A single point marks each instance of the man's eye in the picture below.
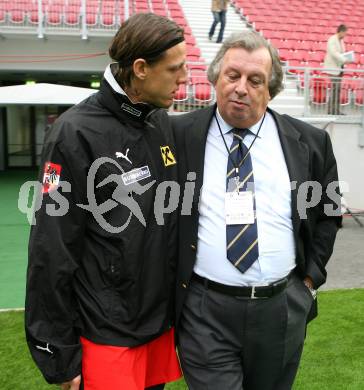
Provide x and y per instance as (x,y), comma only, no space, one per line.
(256,81)
(233,76)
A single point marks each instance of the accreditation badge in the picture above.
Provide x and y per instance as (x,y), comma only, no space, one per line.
(239,208)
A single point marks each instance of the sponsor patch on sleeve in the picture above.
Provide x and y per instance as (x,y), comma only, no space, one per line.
(167,156)
(51,177)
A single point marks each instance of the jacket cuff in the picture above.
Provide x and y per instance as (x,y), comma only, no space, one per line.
(315,273)
(60,363)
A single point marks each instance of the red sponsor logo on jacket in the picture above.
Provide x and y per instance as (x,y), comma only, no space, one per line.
(51,176)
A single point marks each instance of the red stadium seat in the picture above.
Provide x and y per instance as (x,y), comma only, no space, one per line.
(17,16)
(174,7)
(181,95)
(199,66)
(319,90)
(54,18)
(202,92)
(72,9)
(33,17)
(142,8)
(344,94)
(92,9)
(180,21)
(319,46)
(198,76)
(317,56)
(176,14)
(92,3)
(190,40)
(313,64)
(269,34)
(295,64)
(304,45)
(60,3)
(55,8)
(194,51)
(107,19)
(359,97)
(161,12)
(297,55)
(283,54)
(72,18)
(91,19)
(158,6)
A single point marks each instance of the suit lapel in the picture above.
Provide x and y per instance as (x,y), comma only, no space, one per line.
(195,144)
(297,159)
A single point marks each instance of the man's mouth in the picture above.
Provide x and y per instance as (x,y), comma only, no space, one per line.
(240,103)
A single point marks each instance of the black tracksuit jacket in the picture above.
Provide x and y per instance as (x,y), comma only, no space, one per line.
(113,288)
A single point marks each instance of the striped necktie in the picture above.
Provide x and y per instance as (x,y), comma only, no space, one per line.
(241,240)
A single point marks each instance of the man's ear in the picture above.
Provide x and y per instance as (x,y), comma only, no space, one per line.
(140,68)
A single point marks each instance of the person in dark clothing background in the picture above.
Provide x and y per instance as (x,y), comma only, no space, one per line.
(218,9)
(100,280)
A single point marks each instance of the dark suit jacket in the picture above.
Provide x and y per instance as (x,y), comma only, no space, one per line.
(309,156)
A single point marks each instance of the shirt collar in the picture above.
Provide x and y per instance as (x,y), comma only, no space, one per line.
(225,127)
(255,128)
(109,77)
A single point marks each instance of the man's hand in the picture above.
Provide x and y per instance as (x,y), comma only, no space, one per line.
(74,384)
(308,282)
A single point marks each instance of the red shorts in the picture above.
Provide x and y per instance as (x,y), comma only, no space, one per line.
(123,368)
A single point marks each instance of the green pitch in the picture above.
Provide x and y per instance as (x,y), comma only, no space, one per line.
(333,357)
(14,232)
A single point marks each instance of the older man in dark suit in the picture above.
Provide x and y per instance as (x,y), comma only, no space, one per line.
(263,221)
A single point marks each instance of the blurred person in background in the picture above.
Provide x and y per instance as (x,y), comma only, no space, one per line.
(218,8)
(335,59)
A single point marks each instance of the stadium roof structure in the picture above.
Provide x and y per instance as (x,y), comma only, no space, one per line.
(43,94)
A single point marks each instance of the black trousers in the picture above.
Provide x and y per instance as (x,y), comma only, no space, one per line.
(335,92)
(236,343)
(219,17)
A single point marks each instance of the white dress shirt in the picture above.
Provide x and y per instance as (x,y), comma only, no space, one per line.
(273,208)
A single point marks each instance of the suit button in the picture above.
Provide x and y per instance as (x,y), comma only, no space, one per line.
(184,285)
(193,247)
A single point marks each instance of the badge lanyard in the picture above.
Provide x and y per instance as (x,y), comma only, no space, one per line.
(238,165)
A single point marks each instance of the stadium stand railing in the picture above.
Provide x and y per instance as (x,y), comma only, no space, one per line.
(82,17)
(315,89)
(298,29)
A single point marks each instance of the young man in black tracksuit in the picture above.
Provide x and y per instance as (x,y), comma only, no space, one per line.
(101,267)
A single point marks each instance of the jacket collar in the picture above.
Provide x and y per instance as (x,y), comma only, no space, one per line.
(114,98)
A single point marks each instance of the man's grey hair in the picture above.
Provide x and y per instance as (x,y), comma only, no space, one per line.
(249,41)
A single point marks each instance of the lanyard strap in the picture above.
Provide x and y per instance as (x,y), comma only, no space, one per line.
(237,166)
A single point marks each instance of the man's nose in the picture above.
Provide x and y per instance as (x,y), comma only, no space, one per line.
(241,86)
(182,79)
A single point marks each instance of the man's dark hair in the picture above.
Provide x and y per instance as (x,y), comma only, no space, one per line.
(144,35)
(342,28)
